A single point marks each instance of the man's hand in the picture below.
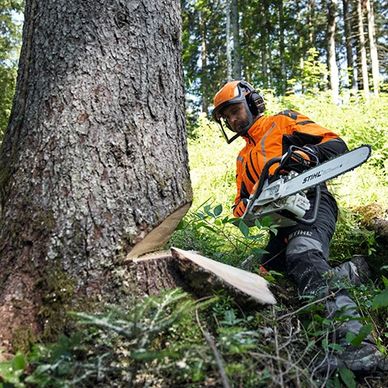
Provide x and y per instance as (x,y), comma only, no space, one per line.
(298,160)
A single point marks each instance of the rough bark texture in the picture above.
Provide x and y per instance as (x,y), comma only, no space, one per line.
(95,154)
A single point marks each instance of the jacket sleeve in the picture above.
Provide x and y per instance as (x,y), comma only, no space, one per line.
(329,149)
(306,133)
(242,195)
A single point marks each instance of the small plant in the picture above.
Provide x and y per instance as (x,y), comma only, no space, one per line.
(351,237)
(221,236)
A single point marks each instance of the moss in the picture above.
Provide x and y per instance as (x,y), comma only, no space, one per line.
(23,338)
(58,290)
(5,175)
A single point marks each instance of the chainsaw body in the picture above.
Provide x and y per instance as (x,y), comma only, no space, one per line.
(282,196)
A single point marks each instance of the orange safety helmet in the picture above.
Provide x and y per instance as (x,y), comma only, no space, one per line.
(235,92)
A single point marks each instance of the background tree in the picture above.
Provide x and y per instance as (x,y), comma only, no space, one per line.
(349,42)
(331,52)
(94,158)
(362,48)
(10,35)
(372,46)
(276,39)
(235,24)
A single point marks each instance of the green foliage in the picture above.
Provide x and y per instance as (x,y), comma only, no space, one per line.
(173,340)
(219,236)
(348,377)
(10,41)
(381,299)
(311,78)
(11,371)
(169,340)
(351,237)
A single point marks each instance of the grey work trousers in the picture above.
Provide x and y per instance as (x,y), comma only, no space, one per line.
(302,252)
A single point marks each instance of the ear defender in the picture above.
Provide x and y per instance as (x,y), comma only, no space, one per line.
(255,103)
(254,100)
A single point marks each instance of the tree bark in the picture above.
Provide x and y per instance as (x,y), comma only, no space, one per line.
(333,68)
(95,154)
(373,46)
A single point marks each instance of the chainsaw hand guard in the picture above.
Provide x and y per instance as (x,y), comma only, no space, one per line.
(298,159)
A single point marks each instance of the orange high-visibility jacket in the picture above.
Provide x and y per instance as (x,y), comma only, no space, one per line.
(270,137)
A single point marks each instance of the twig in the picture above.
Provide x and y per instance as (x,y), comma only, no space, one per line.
(331,295)
(328,371)
(366,382)
(217,355)
(267,357)
(275,332)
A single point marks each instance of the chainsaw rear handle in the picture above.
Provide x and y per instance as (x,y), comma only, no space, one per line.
(317,202)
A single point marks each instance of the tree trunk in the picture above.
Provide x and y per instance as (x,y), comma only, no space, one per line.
(229,65)
(352,81)
(202,26)
(236,40)
(94,157)
(333,68)
(283,70)
(364,66)
(311,20)
(373,47)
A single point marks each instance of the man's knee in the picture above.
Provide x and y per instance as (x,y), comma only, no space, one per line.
(306,263)
(303,243)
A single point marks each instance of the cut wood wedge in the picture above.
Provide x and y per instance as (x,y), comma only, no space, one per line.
(202,272)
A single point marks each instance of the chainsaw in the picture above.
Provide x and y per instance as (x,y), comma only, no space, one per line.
(282,195)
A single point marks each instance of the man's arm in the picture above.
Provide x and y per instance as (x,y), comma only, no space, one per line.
(306,133)
(328,149)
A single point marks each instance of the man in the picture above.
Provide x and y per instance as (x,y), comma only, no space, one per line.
(301,251)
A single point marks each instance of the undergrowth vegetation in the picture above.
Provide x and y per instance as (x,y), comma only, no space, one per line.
(173,340)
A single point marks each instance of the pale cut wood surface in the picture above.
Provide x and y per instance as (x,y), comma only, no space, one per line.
(248,283)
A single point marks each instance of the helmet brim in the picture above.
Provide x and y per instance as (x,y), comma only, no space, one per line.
(217,111)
